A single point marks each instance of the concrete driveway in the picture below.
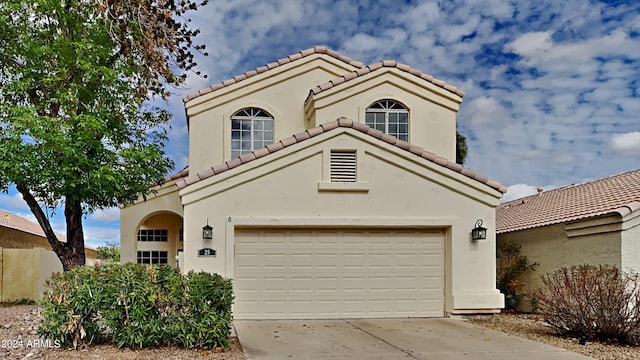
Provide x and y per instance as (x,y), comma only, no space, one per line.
(386,339)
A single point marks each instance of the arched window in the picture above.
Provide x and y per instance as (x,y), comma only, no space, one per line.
(390,117)
(251,129)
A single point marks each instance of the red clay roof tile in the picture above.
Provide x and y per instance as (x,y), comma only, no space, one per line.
(247,157)
(261,152)
(315,131)
(220,168)
(275,146)
(614,194)
(234,163)
(301,136)
(344,122)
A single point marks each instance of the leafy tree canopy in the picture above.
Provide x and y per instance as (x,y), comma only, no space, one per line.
(76,130)
(461,148)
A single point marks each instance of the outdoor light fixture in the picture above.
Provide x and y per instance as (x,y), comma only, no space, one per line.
(207,231)
(479,232)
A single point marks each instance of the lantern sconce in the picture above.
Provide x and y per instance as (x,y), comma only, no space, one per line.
(207,231)
(478,232)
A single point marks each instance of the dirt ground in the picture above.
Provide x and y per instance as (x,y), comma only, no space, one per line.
(18,340)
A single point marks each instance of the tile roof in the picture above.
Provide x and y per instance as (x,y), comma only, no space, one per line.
(615,194)
(326,127)
(379,65)
(16,222)
(280,62)
(179,175)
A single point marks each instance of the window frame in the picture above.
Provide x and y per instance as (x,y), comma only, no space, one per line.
(153,235)
(257,130)
(154,257)
(388,108)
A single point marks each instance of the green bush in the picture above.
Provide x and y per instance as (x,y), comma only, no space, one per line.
(592,303)
(137,306)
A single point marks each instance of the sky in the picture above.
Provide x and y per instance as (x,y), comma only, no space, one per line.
(552,87)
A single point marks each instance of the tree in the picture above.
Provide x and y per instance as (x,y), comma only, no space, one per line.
(109,252)
(76,129)
(461,148)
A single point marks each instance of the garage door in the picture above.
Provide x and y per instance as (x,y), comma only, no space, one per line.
(320,273)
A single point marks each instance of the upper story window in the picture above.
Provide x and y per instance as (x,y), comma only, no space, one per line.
(390,117)
(251,129)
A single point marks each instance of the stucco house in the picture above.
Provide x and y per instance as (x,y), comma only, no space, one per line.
(362,212)
(597,222)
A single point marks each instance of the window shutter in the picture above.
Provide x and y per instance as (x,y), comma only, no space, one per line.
(343,166)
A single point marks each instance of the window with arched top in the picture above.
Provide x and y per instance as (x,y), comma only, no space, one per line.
(251,129)
(390,117)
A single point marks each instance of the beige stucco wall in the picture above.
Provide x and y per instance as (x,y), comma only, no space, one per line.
(631,242)
(163,206)
(552,249)
(432,110)
(24,272)
(280,91)
(396,188)
(16,239)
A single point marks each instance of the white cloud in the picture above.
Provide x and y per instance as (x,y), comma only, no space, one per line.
(518,191)
(99,236)
(531,44)
(626,144)
(106,215)
(13,201)
(487,111)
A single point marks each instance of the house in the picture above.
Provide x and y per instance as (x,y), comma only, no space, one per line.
(360,213)
(596,222)
(26,259)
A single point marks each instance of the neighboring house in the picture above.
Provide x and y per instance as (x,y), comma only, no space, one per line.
(17,232)
(597,222)
(26,259)
(355,217)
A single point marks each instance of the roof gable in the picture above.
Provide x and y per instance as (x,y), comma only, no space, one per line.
(327,127)
(617,194)
(367,70)
(297,56)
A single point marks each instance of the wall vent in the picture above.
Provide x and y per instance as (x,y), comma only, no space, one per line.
(343,166)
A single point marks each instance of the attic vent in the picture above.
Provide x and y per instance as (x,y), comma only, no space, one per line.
(343,166)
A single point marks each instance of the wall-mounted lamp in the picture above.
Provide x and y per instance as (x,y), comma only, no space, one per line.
(479,232)
(207,231)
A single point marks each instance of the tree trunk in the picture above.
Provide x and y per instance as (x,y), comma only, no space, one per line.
(75,236)
(71,253)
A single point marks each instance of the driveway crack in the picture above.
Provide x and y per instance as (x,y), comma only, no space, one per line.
(409,353)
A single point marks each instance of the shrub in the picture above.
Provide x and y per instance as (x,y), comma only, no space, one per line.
(512,265)
(592,303)
(137,306)
(109,252)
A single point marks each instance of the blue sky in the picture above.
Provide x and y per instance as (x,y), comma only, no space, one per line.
(552,87)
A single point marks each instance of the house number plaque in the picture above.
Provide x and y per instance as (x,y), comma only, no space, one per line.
(207,252)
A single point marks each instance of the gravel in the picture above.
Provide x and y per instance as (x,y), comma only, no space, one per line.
(534,328)
(18,340)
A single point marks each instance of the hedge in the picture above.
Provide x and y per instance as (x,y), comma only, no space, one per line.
(137,306)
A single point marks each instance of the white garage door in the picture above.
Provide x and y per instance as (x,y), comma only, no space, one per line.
(331,273)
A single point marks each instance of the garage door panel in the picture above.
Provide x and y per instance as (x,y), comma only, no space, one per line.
(337,273)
